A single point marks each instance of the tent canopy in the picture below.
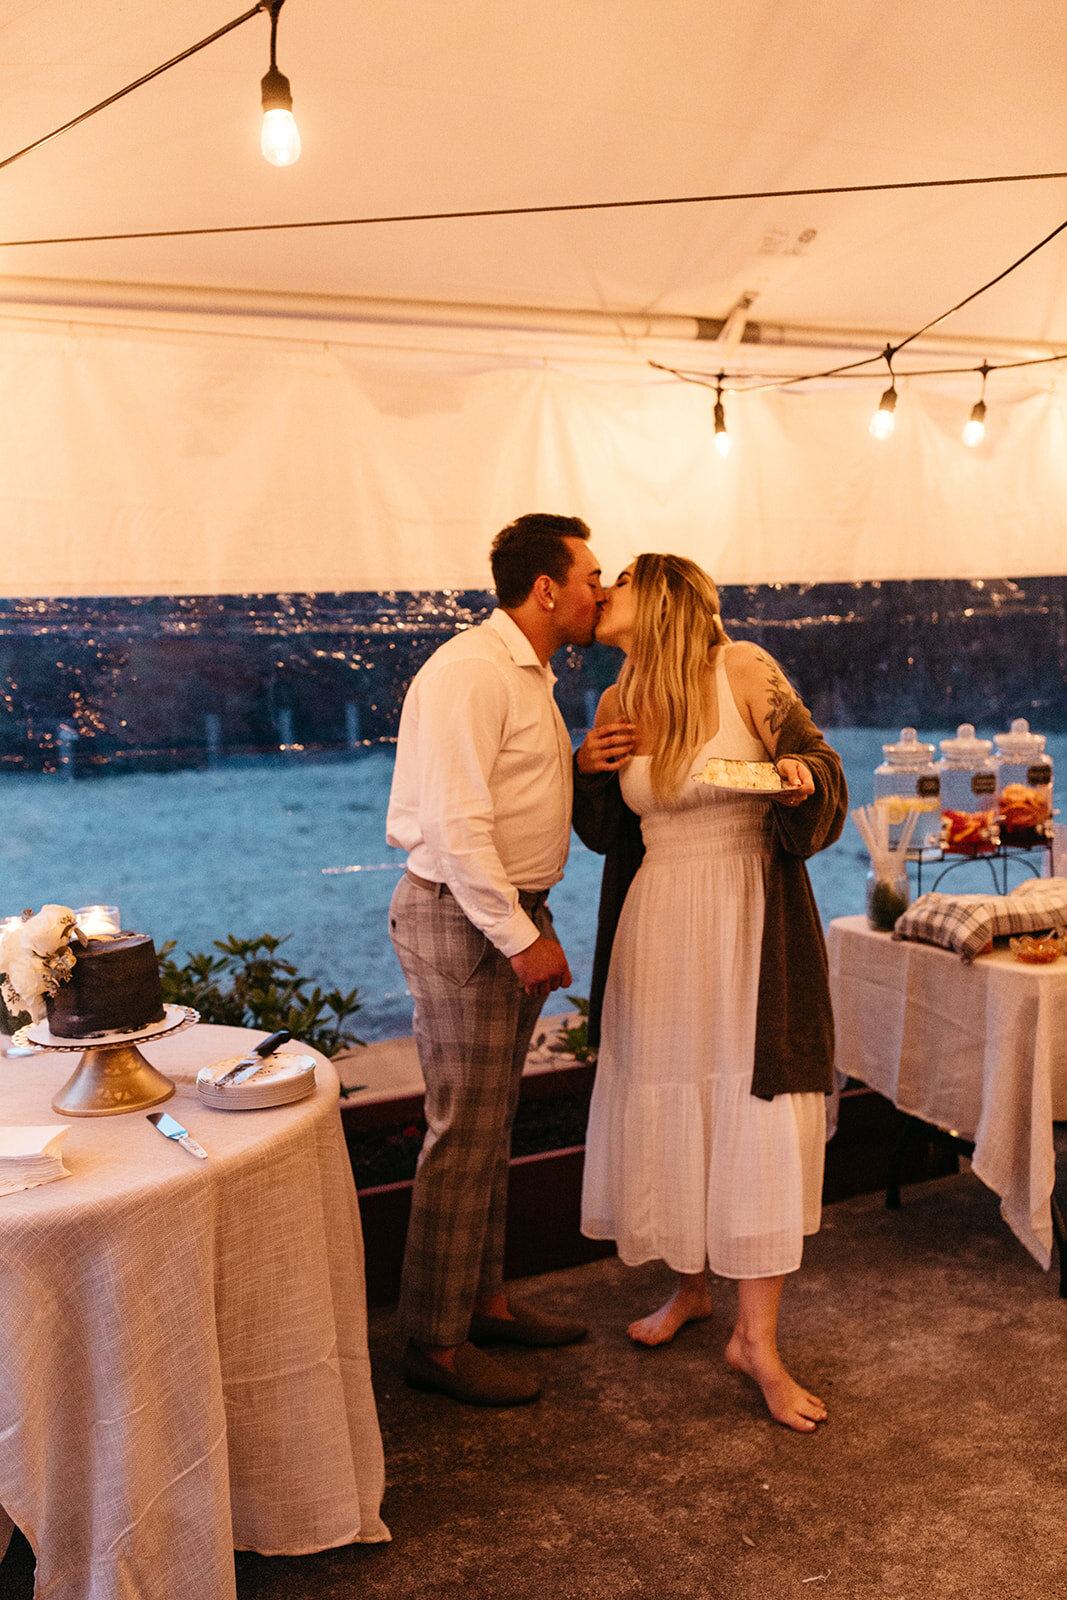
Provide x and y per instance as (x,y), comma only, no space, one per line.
(358,406)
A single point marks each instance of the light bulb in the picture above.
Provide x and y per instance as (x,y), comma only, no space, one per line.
(883,421)
(280,138)
(974,428)
(722,437)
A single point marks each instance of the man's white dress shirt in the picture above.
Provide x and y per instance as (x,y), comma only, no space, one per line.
(481,795)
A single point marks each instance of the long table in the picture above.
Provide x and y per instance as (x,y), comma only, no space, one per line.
(183,1353)
(978,1049)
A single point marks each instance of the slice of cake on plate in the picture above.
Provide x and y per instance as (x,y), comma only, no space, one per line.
(756,775)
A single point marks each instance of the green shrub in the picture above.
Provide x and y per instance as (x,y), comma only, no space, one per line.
(249,986)
(573,1039)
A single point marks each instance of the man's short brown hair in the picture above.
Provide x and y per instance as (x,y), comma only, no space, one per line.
(529,547)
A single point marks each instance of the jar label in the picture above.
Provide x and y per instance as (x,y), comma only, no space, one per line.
(984,783)
(1037,775)
(929,785)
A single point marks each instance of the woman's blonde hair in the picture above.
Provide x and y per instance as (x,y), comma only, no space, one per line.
(666,683)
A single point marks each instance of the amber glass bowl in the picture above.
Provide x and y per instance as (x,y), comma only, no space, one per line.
(1038,948)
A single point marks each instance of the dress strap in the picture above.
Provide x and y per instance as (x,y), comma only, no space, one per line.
(733,736)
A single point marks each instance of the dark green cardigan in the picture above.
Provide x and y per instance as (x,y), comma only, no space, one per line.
(794,1023)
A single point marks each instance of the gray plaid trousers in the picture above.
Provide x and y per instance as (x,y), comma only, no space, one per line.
(472,1026)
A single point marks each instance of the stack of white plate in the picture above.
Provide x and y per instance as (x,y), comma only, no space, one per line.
(281,1080)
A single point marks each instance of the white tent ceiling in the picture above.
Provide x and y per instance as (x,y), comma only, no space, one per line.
(441,105)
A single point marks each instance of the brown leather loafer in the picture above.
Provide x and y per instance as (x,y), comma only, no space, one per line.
(526,1325)
(478,1379)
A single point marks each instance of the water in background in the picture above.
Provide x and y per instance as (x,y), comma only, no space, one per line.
(298,847)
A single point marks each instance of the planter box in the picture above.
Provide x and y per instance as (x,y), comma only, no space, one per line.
(545,1189)
(544,1195)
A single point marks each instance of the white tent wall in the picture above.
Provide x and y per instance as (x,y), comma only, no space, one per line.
(142,461)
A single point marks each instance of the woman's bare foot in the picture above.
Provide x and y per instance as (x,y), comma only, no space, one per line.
(690,1302)
(786,1401)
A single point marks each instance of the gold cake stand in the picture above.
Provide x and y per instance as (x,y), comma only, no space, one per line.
(112,1075)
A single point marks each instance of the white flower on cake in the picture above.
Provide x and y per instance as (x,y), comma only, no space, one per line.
(35,958)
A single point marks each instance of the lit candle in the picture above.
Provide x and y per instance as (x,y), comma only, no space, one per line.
(96,920)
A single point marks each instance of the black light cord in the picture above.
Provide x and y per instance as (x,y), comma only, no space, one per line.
(275,6)
(891,350)
(998,279)
(785,379)
(184,55)
(559,209)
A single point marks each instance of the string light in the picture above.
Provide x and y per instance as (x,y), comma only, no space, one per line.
(280,138)
(884,419)
(102,105)
(722,436)
(974,427)
(883,422)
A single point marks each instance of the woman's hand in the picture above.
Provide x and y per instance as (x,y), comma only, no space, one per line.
(607,748)
(798,777)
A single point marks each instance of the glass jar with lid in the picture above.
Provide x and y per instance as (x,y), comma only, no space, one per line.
(1024,787)
(968,794)
(908,779)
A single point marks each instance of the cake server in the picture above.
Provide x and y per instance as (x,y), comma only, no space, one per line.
(172,1129)
(250,1064)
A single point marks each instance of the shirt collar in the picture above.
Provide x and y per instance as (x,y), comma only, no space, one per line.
(518,646)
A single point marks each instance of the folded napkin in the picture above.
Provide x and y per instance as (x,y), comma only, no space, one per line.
(968,923)
(29,1156)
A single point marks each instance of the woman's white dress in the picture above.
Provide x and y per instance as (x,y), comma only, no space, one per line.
(683,1163)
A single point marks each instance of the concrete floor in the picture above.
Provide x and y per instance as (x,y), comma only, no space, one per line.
(937,1343)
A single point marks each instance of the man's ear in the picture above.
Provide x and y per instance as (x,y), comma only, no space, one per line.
(543,592)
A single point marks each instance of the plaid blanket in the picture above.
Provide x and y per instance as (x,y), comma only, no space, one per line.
(968,923)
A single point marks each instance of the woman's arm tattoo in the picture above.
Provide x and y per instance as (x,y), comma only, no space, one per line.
(779,695)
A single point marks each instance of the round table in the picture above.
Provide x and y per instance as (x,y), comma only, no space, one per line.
(183,1352)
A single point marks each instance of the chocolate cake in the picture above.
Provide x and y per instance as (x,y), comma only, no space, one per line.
(114,988)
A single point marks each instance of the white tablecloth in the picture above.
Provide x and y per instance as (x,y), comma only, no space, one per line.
(978,1049)
(183,1352)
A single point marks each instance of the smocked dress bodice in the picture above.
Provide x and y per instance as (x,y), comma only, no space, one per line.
(699,817)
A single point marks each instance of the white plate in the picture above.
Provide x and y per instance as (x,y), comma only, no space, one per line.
(40,1034)
(733,788)
(237,1100)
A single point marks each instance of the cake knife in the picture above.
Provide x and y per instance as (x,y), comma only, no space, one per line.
(250,1064)
(171,1129)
